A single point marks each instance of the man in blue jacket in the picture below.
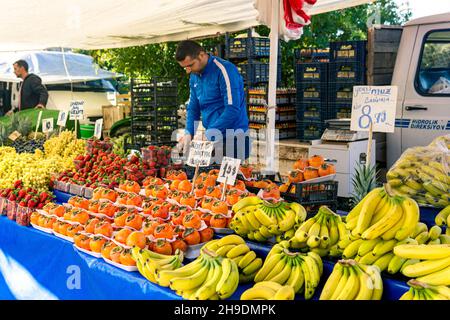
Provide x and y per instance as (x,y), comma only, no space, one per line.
(217,97)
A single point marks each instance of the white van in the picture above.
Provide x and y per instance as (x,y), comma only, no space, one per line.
(422,74)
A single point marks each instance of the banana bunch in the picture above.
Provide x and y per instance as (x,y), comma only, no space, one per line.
(209,277)
(259,220)
(443,217)
(423,175)
(149,263)
(423,291)
(235,248)
(269,290)
(434,235)
(431,262)
(351,280)
(320,233)
(300,271)
(383,215)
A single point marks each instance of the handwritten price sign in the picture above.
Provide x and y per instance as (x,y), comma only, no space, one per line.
(374,105)
(229,170)
(200,153)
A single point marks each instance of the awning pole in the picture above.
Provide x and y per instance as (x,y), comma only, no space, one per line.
(272,90)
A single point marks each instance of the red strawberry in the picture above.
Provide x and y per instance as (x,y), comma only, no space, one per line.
(17,184)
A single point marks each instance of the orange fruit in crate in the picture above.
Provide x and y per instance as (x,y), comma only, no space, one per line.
(213,192)
(246,170)
(160,211)
(295,176)
(134,200)
(316,161)
(126,259)
(201,178)
(107,208)
(239,185)
(106,249)
(219,207)
(114,254)
(164,230)
(162,246)
(97,243)
(49,206)
(122,235)
(180,245)
(177,217)
(72,201)
(326,169)
(105,228)
(310,173)
(123,185)
(301,164)
(160,192)
(134,221)
(200,190)
(138,239)
(191,236)
(192,220)
(206,235)
(68,215)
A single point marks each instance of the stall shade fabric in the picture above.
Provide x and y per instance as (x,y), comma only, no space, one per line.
(87,24)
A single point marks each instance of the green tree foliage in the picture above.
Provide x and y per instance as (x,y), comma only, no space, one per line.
(158,59)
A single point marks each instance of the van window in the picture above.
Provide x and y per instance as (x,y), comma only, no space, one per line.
(433,76)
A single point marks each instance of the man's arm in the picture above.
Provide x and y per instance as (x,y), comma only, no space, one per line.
(231,93)
(38,88)
(193,111)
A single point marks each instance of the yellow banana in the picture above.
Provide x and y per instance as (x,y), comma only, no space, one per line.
(412,212)
(345,272)
(247,259)
(264,218)
(408,262)
(438,278)
(384,261)
(375,275)
(275,286)
(263,293)
(288,221)
(445,239)
(250,215)
(309,289)
(334,231)
(384,247)
(422,237)
(351,288)
(408,295)
(269,264)
(443,216)
(284,274)
(208,289)
(223,251)
(265,232)
(423,252)
(238,250)
(296,279)
(368,258)
(435,232)
(352,249)
(395,264)
(365,216)
(367,246)
(332,282)
(366,285)
(285,293)
(229,281)
(245,202)
(388,221)
(192,281)
(420,227)
(252,267)
(390,234)
(426,267)
(230,239)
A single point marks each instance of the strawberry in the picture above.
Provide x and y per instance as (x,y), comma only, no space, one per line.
(17,184)
(22,193)
(40,205)
(22,204)
(43,196)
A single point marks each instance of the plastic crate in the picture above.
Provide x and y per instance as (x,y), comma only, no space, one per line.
(312,111)
(340,110)
(347,71)
(23,215)
(3,206)
(310,130)
(312,55)
(348,51)
(316,193)
(312,92)
(312,72)
(246,48)
(256,72)
(11,210)
(341,92)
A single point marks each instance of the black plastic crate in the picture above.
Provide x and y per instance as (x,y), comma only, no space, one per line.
(312,55)
(190,171)
(312,193)
(257,72)
(312,111)
(312,92)
(348,51)
(312,72)
(347,71)
(340,110)
(310,130)
(250,47)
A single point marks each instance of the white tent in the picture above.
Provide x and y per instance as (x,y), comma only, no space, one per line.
(54,67)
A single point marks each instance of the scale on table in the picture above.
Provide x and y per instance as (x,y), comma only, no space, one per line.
(339,130)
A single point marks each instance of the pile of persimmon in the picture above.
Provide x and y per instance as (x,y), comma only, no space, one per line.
(104,193)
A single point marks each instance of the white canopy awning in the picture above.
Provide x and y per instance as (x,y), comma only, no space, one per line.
(95,24)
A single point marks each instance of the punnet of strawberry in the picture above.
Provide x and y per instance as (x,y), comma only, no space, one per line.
(26,196)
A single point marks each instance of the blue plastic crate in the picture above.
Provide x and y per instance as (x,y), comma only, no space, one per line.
(257,72)
(310,130)
(341,92)
(347,71)
(312,72)
(246,48)
(312,111)
(340,110)
(312,92)
(348,51)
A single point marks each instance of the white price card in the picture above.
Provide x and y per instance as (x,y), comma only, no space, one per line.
(229,170)
(98,128)
(376,105)
(200,153)
(47,125)
(76,110)
(62,118)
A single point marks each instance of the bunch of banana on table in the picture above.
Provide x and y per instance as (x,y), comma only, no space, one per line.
(299,270)
(209,277)
(269,290)
(422,291)
(443,218)
(430,262)
(149,262)
(235,248)
(351,280)
(320,233)
(260,220)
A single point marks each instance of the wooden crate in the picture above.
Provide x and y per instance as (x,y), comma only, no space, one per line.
(124,100)
(111,114)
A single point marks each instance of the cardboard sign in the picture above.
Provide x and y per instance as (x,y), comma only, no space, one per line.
(229,170)
(62,118)
(15,135)
(200,153)
(376,105)
(76,110)
(98,128)
(47,125)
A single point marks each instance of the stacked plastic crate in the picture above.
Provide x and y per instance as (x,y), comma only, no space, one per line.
(153,111)
(347,68)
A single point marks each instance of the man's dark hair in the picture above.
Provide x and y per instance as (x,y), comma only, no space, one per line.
(22,63)
(188,48)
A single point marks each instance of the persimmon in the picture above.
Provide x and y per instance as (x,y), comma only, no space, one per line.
(134,221)
(133,186)
(120,217)
(181,175)
(122,235)
(316,161)
(177,218)
(149,227)
(218,221)
(58,210)
(210,181)
(48,222)
(56,226)
(239,185)
(176,195)
(178,230)
(105,228)
(284,187)
(180,245)
(63,228)
(106,249)
(188,200)
(295,176)
(109,195)
(107,209)
(73,229)
(97,243)
(207,203)
(160,192)
(174,185)
(160,211)
(213,192)
(84,242)
(174,208)
(122,198)
(201,178)
(200,190)
(76,239)
(246,170)
(152,181)
(149,190)
(93,206)
(191,236)
(162,246)
(232,197)
(134,200)
(326,169)
(68,215)
(272,191)
(82,204)
(262,184)
(219,207)
(34,218)
(114,254)
(72,201)
(214,172)
(206,235)
(197,212)
(91,224)
(192,221)
(310,173)
(123,185)
(97,193)
(138,239)
(49,206)
(126,259)
(301,164)
(206,217)
(80,216)
(164,230)
(185,186)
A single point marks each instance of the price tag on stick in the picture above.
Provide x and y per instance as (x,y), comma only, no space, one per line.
(76,110)
(62,119)
(47,125)
(229,170)
(98,128)
(37,124)
(200,153)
